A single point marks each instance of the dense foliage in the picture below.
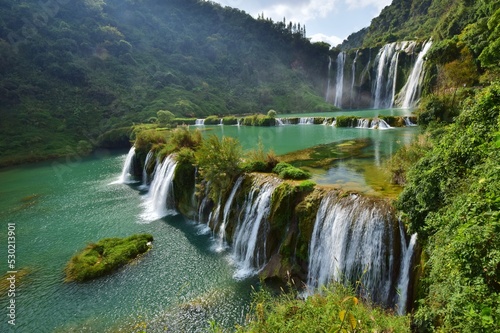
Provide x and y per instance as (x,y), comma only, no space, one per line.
(420,19)
(335,310)
(71,71)
(105,256)
(452,199)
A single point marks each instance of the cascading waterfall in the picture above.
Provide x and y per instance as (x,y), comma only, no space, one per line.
(408,122)
(382,59)
(328,83)
(128,168)
(221,234)
(160,199)
(249,245)
(411,90)
(378,123)
(306,121)
(407,252)
(199,122)
(353,74)
(339,87)
(353,240)
(279,122)
(144,185)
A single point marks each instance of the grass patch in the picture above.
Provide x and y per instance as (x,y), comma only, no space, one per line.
(106,256)
(336,309)
(288,171)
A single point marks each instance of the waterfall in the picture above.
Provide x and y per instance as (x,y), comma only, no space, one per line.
(411,90)
(306,121)
(128,168)
(408,122)
(249,244)
(328,84)
(279,122)
(404,275)
(353,240)
(385,53)
(339,87)
(378,123)
(144,185)
(160,199)
(363,123)
(221,234)
(199,122)
(353,69)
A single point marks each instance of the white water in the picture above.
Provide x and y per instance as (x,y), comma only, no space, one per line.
(408,122)
(144,185)
(339,87)
(328,84)
(249,252)
(128,168)
(160,198)
(199,122)
(411,91)
(352,241)
(376,123)
(279,122)
(306,121)
(353,74)
(404,275)
(221,234)
(385,53)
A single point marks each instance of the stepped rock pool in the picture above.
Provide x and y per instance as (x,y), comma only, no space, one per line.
(182,284)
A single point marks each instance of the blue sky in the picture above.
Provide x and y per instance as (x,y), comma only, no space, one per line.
(326,20)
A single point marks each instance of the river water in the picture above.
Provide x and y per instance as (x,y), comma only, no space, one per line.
(58,207)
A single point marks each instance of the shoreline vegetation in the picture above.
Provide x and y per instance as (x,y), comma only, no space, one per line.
(106,256)
(118,138)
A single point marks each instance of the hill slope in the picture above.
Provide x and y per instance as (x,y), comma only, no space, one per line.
(71,71)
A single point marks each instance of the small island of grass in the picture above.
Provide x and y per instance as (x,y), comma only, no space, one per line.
(106,256)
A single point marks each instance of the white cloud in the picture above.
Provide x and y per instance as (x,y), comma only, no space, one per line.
(378,4)
(332,40)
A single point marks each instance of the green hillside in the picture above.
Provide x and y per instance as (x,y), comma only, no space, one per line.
(71,71)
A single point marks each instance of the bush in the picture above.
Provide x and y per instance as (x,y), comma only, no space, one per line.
(346,121)
(212,120)
(288,171)
(106,256)
(336,309)
(231,120)
(306,186)
(219,163)
(294,173)
(165,117)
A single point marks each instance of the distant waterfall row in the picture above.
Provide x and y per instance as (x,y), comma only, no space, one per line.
(392,79)
(352,238)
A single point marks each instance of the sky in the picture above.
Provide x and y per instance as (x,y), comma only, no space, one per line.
(329,21)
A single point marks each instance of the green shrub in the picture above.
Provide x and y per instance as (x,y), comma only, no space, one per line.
(231,120)
(219,163)
(106,256)
(336,309)
(306,186)
(212,120)
(280,166)
(185,121)
(294,173)
(347,121)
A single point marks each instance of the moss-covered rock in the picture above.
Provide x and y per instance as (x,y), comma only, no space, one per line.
(184,183)
(106,256)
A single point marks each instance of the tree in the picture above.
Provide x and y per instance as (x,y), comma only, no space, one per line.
(165,117)
(271,114)
(219,163)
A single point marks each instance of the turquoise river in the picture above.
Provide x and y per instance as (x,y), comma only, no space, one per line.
(56,208)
